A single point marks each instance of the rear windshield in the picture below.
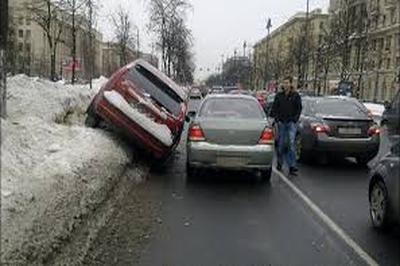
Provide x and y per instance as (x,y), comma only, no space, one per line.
(231,108)
(156,88)
(339,107)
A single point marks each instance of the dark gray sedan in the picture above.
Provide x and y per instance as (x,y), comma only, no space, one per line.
(338,126)
(384,189)
(230,132)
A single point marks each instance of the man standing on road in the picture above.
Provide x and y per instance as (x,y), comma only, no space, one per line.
(286,111)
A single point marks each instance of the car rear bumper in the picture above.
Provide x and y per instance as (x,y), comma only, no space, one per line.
(235,157)
(347,145)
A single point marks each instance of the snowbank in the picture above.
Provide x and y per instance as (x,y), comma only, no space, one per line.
(51,174)
(45,99)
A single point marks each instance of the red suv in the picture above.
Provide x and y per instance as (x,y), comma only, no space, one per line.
(145,104)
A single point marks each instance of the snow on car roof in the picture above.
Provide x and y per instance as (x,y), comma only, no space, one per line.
(178,89)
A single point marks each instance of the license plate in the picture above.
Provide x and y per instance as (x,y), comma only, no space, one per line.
(231,161)
(350,130)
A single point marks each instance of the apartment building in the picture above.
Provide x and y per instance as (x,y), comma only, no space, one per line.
(274,55)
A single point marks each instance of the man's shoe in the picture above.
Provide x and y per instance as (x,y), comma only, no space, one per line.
(293,171)
(279,167)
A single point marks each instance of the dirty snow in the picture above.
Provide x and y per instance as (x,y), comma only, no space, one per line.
(45,99)
(159,131)
(51,174)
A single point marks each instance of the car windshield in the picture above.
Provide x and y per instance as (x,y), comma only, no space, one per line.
(238,108)
(158,90)
(338,107)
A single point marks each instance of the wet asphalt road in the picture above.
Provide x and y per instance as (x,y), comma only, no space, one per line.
(231,219)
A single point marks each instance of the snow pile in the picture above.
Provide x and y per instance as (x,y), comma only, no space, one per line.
(45,99)
(159,131)
(52,174)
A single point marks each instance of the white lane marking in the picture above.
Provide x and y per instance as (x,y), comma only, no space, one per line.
(328,221)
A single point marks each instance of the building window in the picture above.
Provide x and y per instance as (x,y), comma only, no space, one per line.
(321,25)
(388,63)
(21,21)
(384,21)
(373,45)
(398,61)
(28,34)
(20,33)
(388,43)
(20,46)
(393,16)
(28,48)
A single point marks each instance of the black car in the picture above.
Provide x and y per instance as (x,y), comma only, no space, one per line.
(339,126)
(391,116)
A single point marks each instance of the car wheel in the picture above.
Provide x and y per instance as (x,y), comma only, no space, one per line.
(190,172)
(265,175)
(301,155)
(378,205)
(92,119)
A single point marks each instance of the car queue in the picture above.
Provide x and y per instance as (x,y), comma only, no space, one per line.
(230,129)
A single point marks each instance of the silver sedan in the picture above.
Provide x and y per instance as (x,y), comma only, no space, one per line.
(230,132)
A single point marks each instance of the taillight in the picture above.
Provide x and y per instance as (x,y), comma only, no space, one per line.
(267,137)
(196,133)
(374,130)
(320,128)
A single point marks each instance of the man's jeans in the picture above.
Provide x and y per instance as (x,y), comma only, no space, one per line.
(286,143)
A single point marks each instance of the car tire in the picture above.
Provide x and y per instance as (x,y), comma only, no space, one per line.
(265,175)
(190,172)
(301,154)
(92,119)
(379,205)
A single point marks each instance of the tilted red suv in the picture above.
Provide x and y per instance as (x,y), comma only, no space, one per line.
(145,103)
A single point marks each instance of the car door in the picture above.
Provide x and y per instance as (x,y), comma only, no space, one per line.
(393,178)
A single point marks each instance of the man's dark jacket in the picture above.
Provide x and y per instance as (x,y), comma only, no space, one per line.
(286,108)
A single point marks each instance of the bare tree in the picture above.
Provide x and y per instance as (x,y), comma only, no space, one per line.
(91,10)
(73,8)
(123,33)
(164,16)
(47,14)
(3,45)
(341,28)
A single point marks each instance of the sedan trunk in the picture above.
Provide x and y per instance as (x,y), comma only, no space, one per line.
(232,131)
(348,127)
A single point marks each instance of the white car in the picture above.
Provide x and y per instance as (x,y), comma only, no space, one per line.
(376,110)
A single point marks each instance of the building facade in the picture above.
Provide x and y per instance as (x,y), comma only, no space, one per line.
(287,50)
(368,54)
(383,72)
(30,51)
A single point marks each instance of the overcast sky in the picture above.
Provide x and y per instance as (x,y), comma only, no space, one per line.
(219,26)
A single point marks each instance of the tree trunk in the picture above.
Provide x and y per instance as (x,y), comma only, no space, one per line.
(3,83)
(53,63)
(73,43)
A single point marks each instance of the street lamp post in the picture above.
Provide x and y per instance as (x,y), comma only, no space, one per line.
(269,26)
(305,43)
